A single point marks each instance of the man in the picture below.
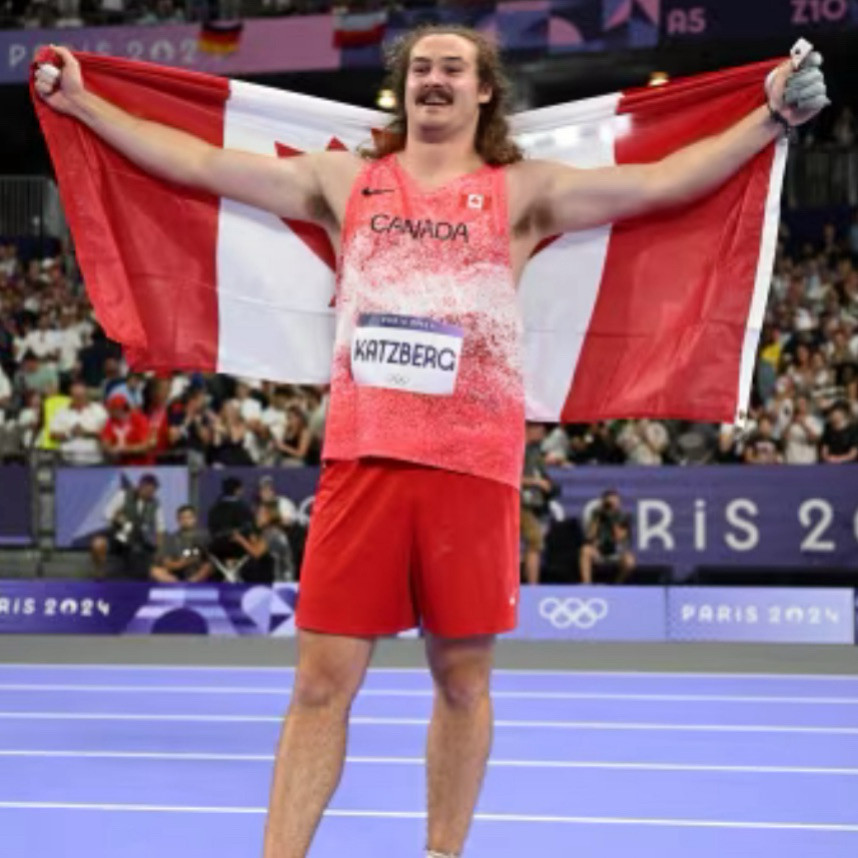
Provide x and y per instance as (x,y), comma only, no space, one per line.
(436,449)
(77,427)
(190,426)
(839,443)
(136,527)
(801,435)
(42,341)
(287,512)
(126,437)
(183,557)
(609,538)
(35,376)
(536,491)
(762,448)
(230,514)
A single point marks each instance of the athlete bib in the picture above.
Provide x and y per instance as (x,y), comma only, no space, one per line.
(406,353)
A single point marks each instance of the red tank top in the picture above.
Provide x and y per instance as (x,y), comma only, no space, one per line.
(427,361)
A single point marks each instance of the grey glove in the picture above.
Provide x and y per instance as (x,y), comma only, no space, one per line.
(805,88)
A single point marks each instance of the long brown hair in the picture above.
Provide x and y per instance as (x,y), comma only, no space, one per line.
(493,142)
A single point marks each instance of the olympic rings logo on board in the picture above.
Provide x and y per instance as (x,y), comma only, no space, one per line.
(582,613)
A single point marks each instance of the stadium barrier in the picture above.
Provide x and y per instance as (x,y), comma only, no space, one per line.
(597,613)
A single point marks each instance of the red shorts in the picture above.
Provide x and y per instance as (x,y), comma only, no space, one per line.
(393,545)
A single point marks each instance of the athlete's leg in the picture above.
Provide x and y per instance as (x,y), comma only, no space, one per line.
(313,741)
(460,735)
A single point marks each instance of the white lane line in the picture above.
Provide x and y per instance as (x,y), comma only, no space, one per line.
(419,815)
(428,692)
(814,677)
(176,756)
(422,722)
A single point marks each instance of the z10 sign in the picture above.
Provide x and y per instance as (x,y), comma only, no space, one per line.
(729,515)
(719,19)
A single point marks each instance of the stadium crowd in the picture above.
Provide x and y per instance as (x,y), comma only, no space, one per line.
(92,13)
(64,386)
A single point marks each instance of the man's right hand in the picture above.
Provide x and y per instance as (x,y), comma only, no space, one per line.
(60,93)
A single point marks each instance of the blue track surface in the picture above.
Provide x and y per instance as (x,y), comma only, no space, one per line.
(126,762)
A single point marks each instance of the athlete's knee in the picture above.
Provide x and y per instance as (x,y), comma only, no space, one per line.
(318,686)
(328,675)
(462,680)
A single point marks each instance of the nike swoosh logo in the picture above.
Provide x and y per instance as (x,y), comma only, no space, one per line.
(369,192)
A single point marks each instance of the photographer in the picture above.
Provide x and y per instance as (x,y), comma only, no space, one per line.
(609,535)
(184,556)
(136,528)
(536,491)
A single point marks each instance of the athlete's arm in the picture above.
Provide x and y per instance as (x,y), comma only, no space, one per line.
(571,199)
(288,187)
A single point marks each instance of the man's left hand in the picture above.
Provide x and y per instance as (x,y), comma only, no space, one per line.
(798,94)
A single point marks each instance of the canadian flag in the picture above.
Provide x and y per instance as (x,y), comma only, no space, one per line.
(658,316)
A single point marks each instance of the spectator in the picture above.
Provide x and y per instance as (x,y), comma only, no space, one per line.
(77,428)
(112,375)
(34,376)
(317,412)
(840,439)
(69,340)
(228,515)
(184,554)
(536,492)
(30,421)
(231,438)
(644,442)
(287,512)
(96,358)
(295,445)
(762,448)
(257,564)
(595,445)
(137,527)
(726,450)
(155,400)
(555,447)
(272,529)
(249,406)
(42,341)
(126,438)
(801,435)
(132,387)
(274,417)
(608,540)
(801,370)
(190,425)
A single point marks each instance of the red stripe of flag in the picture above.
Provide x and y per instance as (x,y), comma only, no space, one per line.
(125,221)
(667,272)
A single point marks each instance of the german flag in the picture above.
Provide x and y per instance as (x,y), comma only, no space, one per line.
(220,37)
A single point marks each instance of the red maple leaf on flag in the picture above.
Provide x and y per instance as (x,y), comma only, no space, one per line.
(315,237)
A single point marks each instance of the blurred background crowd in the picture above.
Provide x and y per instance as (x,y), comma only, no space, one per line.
(65,387)
(89,13)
